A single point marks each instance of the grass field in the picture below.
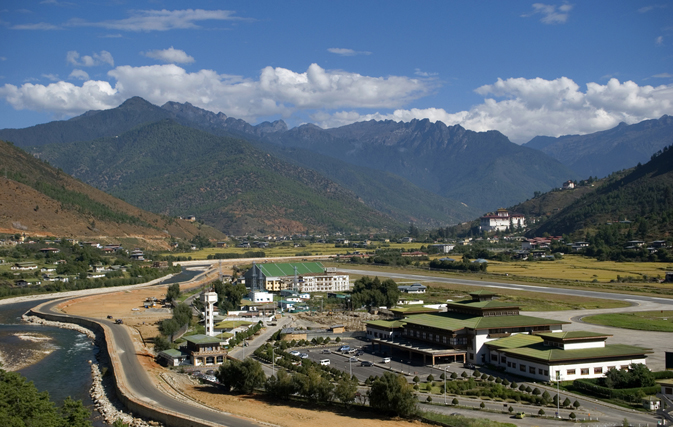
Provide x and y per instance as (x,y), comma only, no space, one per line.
(661,321)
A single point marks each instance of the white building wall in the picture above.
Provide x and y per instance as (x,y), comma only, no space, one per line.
(576,346)
(326,283)
(261,297)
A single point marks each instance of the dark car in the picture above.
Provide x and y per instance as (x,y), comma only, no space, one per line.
(468,366)
(366,363)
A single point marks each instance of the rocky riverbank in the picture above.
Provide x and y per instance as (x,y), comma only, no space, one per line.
(102,404)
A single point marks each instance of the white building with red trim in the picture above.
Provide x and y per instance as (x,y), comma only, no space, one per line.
(501,220)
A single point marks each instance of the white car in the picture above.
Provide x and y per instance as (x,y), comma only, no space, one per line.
(295,353)
(353,359)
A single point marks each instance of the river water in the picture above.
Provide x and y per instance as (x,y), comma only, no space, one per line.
(65,371)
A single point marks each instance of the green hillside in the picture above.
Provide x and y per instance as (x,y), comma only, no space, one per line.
(642,198)
(175,170)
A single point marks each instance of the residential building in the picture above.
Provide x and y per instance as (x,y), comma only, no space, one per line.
(568,185)
(204,350)
(501,220)
(23,266)
(416,288)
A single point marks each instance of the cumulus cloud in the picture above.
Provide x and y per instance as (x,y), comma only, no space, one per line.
(79,74)
(551,14)
(277,91)
(104,57)
(531,107)
(347,52)
(170,55)
(161,20)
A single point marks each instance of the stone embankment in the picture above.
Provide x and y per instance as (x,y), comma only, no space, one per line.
(108,411)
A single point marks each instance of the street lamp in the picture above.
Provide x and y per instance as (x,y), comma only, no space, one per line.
(445,386)
(558,396)
(350,366)
(273,361)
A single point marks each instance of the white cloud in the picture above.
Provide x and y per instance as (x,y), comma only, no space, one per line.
(39,26)
(551,14)
(347,52)
(534,107)
(111,36)
(2,58)
(79,74)
(646,9)
(52,77)
(104,57)
(161,20)
(170,55)
(277,91)
(663,76)
(659,40)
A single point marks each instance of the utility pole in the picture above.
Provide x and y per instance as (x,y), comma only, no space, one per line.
(445,386)
(558,396)
(273,361)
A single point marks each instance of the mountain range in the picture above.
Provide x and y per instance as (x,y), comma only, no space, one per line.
(601,153)
(38,199)
(178,159)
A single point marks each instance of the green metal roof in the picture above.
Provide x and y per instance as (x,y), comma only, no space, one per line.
(387,324)
(551,354)
(287,269)
(572,335)
(482,292)
(202,339)
(172,352)
(482,304)
(456,321)
(515,341)
(230,324)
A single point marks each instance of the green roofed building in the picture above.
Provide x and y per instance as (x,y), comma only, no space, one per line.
(564,355)
(300,276)
(460,332)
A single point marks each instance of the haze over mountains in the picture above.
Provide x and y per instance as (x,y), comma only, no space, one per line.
(178,159)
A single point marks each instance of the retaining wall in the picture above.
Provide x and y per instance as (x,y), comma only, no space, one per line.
(139,408)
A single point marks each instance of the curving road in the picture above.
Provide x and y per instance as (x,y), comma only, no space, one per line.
(138,381)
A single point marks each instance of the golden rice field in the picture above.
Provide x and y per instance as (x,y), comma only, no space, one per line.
(576,267)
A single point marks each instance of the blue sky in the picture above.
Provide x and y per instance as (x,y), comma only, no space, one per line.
(519,67)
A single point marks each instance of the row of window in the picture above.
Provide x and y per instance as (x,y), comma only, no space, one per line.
(597,370)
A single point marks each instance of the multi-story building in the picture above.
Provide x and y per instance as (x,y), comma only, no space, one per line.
(501,220)
(302,277)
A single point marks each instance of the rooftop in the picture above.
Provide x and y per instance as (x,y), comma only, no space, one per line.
(202,339)
(287,269)
(455,322)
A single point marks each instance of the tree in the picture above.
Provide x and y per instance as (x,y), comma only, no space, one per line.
(566,402)
(482,405)
(536,392)
(313,386)
(454,375)
(243,377)
(454,402)
(540,412)
(168,327)
(546,397)
(173,292)
(576,404)
(513,385)
(393,394)
(572,416)
(442,377)
(161,343)
(430,378)
(464,374)
(280,386)
(511,409)
(345,391)
(416,380)
(429,399)
(21,404)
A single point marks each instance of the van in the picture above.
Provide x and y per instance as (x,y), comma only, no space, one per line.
(324,362)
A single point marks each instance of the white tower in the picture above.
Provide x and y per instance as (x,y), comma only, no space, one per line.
(209,298)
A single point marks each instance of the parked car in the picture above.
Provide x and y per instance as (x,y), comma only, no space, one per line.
(303,355)
(385,360)
(468,366)
(366,363)
(520,415)
(359,353)
(353,359)
(324,362)
(325,351)
(344,348)
(295,353)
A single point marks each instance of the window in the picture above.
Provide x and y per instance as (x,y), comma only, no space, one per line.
(522,368)
(494,357)
(570,372)
(546,373)
(470,356)
(598,370)
(584,371)
(668,390)
(539,371)
(531,370)
(509,364)
(503,359)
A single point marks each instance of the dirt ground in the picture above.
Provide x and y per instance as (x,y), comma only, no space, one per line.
(276,413)
(121,305)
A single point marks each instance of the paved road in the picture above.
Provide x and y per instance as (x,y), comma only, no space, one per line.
(138,381)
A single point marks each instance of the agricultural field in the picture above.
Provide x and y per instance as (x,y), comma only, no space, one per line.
(286,250)
(661,321)
(577,267)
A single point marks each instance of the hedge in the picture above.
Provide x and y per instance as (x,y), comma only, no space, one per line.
(624,394)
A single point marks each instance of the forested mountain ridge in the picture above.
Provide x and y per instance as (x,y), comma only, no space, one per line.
(643,196)
(172,169)
(39,199)
(484,170)
(601,153)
